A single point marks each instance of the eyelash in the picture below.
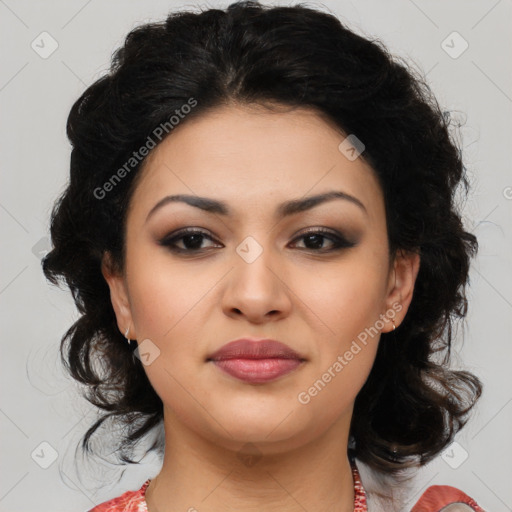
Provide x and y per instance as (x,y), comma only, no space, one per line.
(339,241)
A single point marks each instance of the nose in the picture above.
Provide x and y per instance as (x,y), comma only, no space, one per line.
(258,290)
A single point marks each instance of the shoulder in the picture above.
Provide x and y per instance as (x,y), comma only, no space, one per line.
(444,498)
(130,501)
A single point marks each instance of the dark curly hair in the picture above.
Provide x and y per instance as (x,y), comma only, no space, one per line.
(412,404)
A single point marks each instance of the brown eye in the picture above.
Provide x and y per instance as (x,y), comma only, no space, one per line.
(314,240)
(190,238)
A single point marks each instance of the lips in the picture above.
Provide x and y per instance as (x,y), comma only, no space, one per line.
(256,360)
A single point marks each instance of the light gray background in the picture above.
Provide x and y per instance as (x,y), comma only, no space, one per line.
(40,404)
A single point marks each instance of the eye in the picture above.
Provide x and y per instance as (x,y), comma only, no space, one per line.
(314,240)
(191,239)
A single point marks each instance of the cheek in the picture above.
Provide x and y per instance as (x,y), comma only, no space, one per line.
(331,394)
(347,300)
(346,296)
(168,304)
(164,305)
(164,294)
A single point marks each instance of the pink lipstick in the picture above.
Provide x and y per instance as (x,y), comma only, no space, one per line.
(256,361)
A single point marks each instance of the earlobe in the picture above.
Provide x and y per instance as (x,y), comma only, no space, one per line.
(401,287)
(118,296)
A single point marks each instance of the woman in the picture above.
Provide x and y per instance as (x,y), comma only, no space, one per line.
(262,203)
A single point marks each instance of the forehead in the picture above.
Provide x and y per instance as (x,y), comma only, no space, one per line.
(250,155)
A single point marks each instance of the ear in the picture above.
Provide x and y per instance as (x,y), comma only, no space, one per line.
(402,279)
(118,296)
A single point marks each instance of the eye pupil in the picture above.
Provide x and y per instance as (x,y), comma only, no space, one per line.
(197,240)
(316,238)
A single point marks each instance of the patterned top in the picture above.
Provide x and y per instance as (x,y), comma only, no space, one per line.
(433,499)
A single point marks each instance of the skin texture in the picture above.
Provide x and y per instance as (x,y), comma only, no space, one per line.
(295,291)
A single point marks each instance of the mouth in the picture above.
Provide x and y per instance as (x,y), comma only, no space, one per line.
(256,361)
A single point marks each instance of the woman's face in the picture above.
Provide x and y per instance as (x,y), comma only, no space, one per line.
(257,269)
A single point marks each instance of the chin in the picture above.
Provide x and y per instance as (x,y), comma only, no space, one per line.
(275,429)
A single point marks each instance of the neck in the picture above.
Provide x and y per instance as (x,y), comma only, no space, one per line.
(199,475)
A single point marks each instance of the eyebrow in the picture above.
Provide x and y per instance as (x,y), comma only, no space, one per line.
(283,210)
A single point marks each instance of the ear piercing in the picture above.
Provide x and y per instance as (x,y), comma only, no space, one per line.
(394,326)
(126,335)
